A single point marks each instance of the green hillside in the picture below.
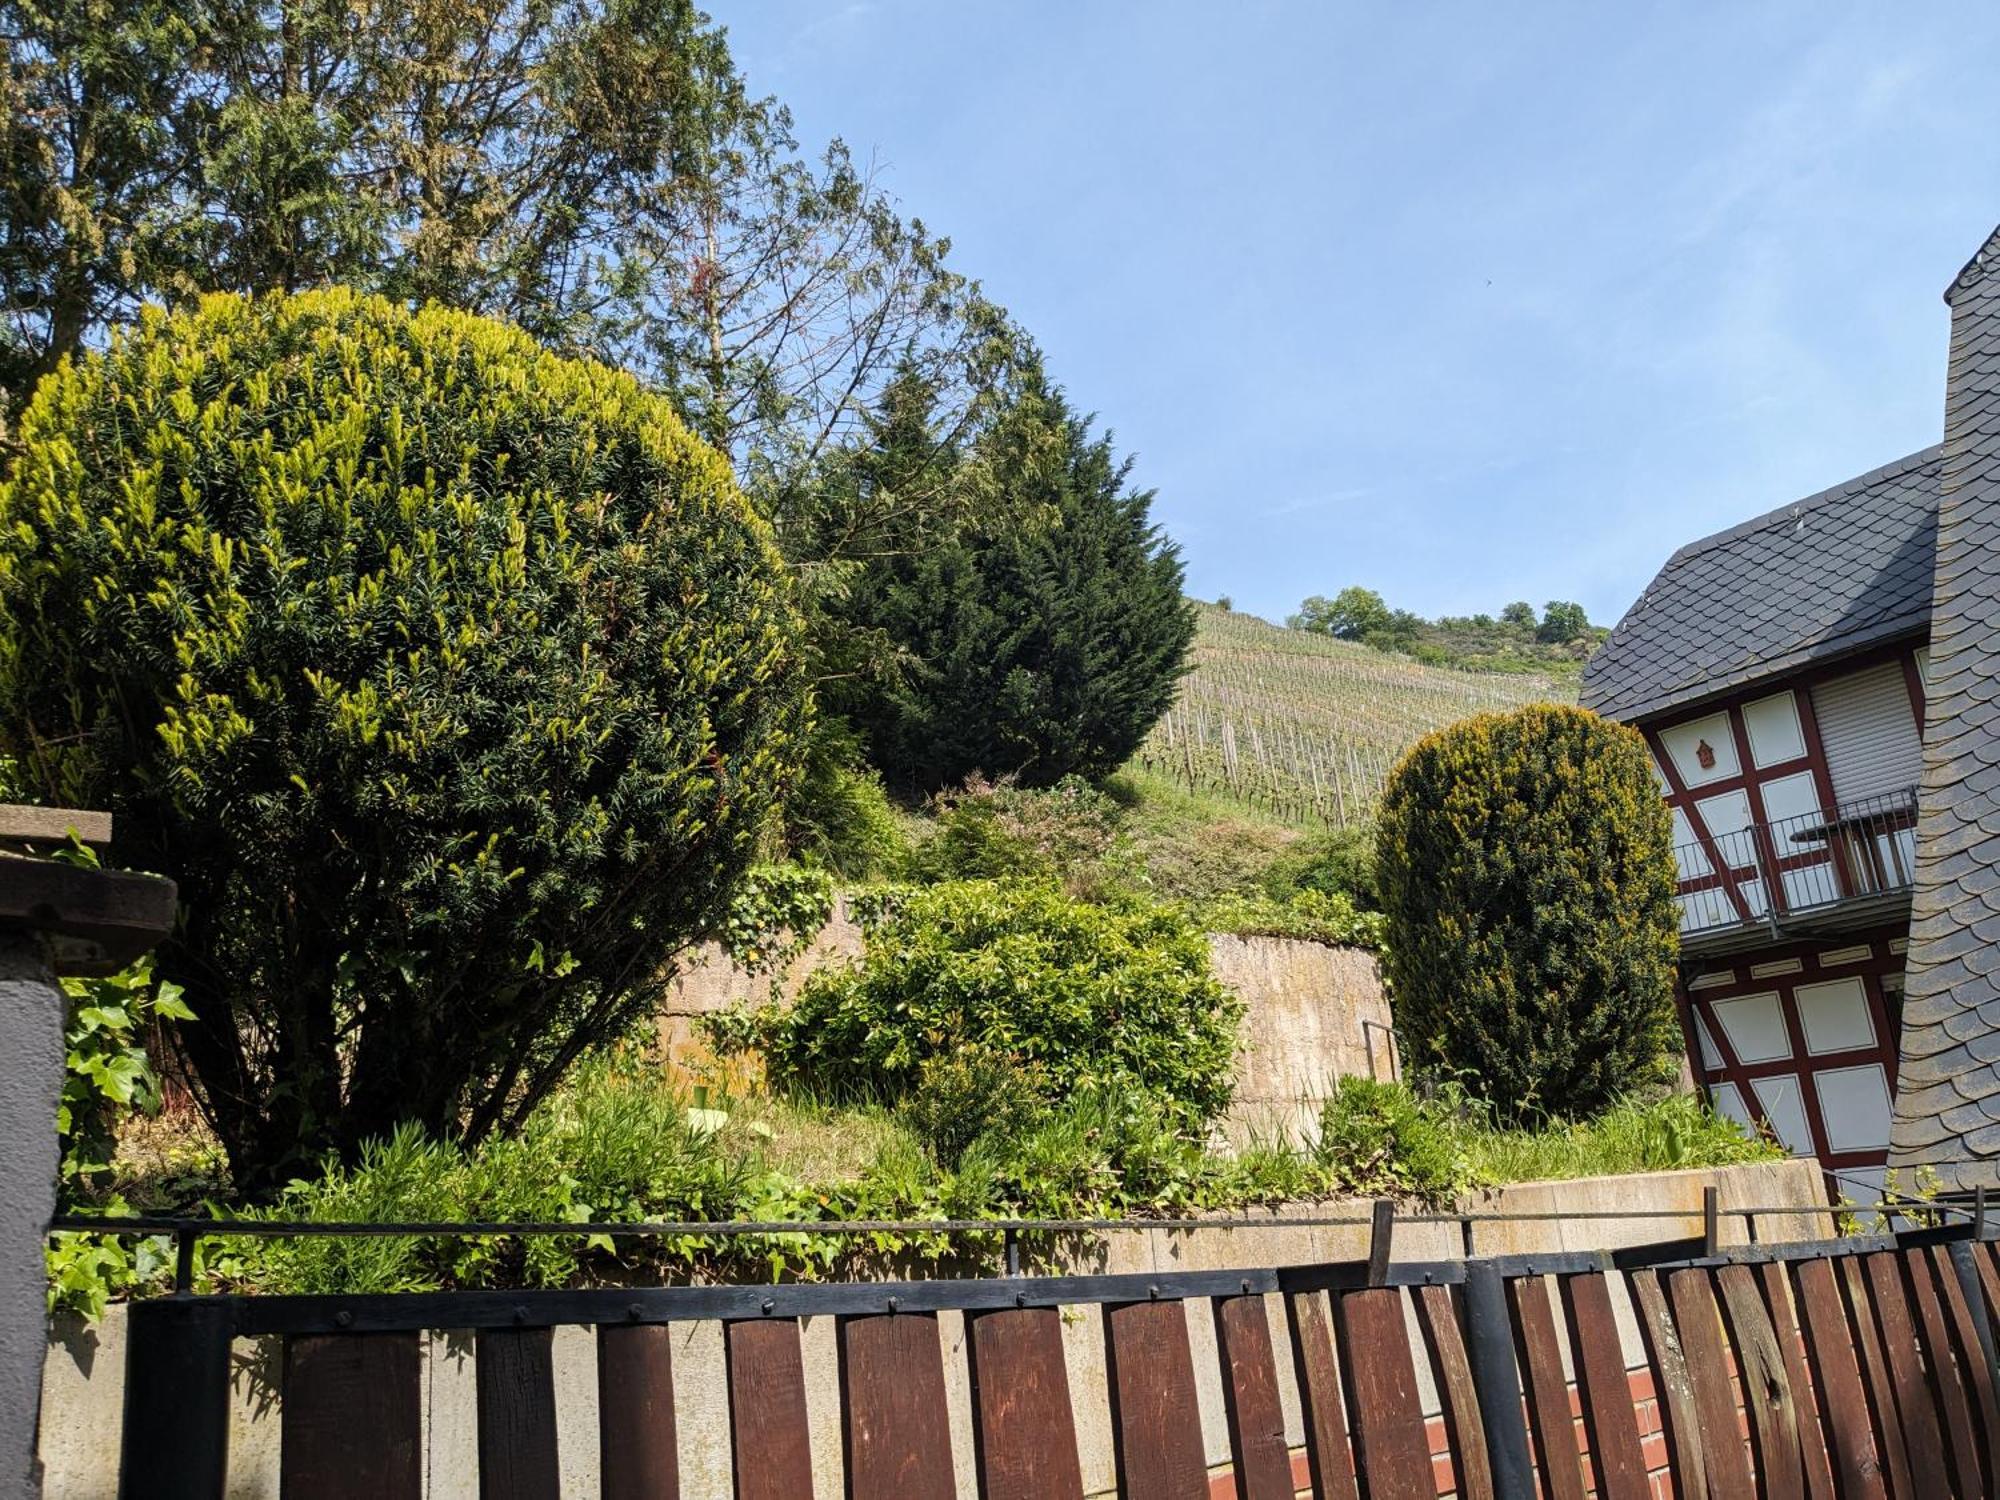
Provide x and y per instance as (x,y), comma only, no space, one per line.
(1306,726)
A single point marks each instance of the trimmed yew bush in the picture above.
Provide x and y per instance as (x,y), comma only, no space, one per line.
(1526,869)
(452,681)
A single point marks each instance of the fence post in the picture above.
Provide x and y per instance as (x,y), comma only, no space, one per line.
(31,1077)
(1967,1270)
(1490,1333)
(1381,1234)
(176,1438)
(1711,1220)
(55,918)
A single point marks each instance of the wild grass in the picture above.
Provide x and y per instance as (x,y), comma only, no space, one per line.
(1658,1135)
(620,1143)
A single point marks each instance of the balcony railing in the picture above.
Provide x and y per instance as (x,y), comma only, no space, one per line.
(1790,867)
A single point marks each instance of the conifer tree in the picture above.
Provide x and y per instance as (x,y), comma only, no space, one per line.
(1042,645)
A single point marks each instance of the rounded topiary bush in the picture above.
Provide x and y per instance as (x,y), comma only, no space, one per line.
(452,680)
(1078,995)
(1525,866)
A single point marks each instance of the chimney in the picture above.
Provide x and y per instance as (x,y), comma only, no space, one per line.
(1948,1088)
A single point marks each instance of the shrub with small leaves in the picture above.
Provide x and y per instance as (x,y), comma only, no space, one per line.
(1379,1138)
(1081,994)
(454,682)
(967,1094)
(1526,869)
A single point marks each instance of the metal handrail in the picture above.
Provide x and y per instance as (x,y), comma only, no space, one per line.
(1863,857)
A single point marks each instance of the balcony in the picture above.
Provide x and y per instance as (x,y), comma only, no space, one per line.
(1799,877)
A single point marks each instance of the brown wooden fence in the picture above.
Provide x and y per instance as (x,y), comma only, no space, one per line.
(1850,1368)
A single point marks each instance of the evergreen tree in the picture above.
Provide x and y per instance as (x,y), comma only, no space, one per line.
(1525,865)
(1040,646)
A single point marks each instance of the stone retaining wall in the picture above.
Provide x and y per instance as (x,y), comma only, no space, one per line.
(82,1379)
(1311,1014)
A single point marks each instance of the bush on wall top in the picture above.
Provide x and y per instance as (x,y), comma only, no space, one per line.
(452,681)
(1526,869)
(1079,994)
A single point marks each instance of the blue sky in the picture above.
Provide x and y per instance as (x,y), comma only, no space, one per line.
(1465,302)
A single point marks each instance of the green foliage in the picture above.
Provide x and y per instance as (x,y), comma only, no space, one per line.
(1382,1140)
(1561,622)
(1337,862)
(1311,916)
(1032,651)
(1353,614)
(107,1078)
(968,1093)
(1080,994)
(615,1143)
(1515,642)
(840,818)
(596,172)
(775,913)
(1664,1134)
(452,681)
(994,830)
(1526,870)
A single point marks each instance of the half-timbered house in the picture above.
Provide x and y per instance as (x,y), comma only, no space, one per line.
(1820,688)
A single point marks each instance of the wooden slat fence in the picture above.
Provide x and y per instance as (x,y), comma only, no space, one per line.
(1858,1369)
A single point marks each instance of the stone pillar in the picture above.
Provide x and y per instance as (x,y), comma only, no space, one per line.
(31,1078)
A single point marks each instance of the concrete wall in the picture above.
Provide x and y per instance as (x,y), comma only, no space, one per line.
(1312,1014)
(81,1386)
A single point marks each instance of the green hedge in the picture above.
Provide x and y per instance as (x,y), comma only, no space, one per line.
(1526,870)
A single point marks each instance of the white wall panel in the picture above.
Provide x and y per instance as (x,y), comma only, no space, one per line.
(1773,726)
(1854,1103)
(1755,1027)
(1724,814)
(1785,1109)
(1794,796)
(1684,742)
(1834,1015)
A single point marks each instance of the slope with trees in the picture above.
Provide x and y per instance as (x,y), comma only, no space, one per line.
(1558,643)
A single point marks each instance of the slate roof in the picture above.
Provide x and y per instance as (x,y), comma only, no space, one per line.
(1822,577)
(1948,1087)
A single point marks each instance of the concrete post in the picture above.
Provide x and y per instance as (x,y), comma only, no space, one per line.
(31,1078)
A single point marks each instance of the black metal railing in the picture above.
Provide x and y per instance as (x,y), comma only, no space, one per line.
(1792,866)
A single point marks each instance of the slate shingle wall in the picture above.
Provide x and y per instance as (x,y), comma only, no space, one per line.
(1948,1096)
(1834,573)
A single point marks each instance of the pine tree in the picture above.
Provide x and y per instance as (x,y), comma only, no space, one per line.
(1036,648)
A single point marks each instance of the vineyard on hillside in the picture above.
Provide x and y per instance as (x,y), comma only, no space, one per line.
(1308,726)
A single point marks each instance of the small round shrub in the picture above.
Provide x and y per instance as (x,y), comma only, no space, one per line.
(453,681)
(964,1095)
(1526,869)
(1080,995)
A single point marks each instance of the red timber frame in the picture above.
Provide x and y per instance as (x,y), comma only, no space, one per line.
(1750,777)
(1699,991)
